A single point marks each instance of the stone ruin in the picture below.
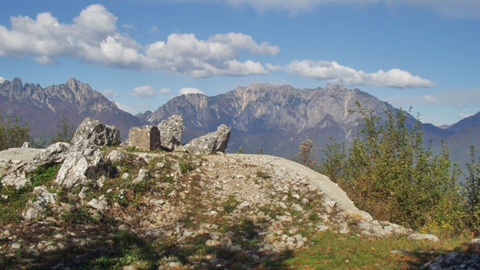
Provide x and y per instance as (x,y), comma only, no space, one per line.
(168,136)
(145,138)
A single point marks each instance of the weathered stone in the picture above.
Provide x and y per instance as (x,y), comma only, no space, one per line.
(84,163)
(423,237)
(142,175)
(145,138)
(211,143)
(37,206)
(171,131)
(26,145)
(116,156)
(96,133)
(454,261)
(98,204)
(54,154)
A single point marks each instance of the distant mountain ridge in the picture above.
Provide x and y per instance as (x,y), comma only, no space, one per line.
(271,117)
(43,108)
(275,118)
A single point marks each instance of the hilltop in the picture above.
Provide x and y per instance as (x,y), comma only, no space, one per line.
(93,203)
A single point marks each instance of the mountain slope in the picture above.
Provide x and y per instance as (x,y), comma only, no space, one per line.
(464,134)
(43,108)
(276,118)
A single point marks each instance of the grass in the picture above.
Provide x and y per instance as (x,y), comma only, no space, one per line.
(333,251)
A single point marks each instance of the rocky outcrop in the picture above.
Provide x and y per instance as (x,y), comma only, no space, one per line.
(96,133)
(36,207)
(53,154)
(171,132)
(84,164)
(454,261)
(211,143)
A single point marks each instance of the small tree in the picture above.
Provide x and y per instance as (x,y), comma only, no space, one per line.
(333,161)
(471,191)
(240,150)
(389,173)
(65,131)
(12,133)
(306,155)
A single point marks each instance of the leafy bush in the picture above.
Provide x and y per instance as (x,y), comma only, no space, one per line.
(388,172)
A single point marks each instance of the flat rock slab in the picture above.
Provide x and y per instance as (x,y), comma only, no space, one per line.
(22,154)
(331,190)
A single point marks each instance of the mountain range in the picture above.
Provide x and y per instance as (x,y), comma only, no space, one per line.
(44,108)
(268,118)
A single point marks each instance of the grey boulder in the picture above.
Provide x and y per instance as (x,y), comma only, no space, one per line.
(171,131)
(211,143)
(96,133)
(84,164)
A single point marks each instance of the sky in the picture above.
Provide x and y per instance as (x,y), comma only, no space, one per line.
(423,54)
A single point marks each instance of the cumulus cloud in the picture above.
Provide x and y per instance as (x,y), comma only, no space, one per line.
(189,90)
(451,8)
(94,37)
(336,73)
(271,67)
(109,93)
(2,79)
(143,91)
(147,91)
(164,91)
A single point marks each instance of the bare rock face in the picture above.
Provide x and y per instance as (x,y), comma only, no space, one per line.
(171,131)
(211,143)
(454,261)
(96,133)
(84,163)
(145,138)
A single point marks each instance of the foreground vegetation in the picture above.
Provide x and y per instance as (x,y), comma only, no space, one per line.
(388,172)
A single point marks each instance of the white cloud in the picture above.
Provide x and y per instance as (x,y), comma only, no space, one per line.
(336,73)
(271,67)
(429,99)
(143,91)
(451,8)
(109,93)
(164,91)
(2,79)
(125,108)
(189,90)
(459,98)
(93,37)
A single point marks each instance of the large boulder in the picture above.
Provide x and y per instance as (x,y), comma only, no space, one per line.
(84,164)
(145,138)
(211,143)
(171,131)
(96,133)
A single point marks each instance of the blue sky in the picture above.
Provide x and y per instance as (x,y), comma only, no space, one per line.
(141,53)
